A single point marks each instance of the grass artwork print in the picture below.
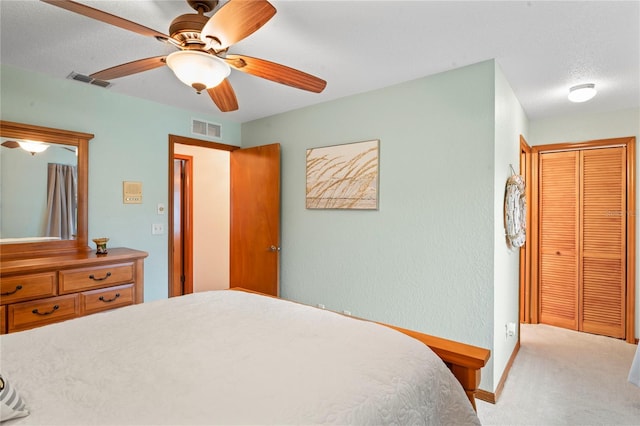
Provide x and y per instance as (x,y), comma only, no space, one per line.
(343,176)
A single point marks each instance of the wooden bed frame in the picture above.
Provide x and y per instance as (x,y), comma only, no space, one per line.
(464,361)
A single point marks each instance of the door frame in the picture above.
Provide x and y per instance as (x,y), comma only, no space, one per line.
(186,228)
(629,143)
(525,250)
(175,290)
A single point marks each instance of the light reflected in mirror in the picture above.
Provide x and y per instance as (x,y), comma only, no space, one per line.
(38,191)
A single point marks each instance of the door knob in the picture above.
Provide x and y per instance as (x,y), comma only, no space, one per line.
(274,248)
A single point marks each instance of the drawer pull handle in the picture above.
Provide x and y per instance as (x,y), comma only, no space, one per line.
(55,308)
(101,298)
(9,293)
(92,277)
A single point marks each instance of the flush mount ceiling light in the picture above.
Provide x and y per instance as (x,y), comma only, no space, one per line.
(33,147)
(582,92)
(198,69)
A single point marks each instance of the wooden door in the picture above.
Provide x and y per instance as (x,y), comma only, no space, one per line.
(255,218)
(582,240)
(558,238)
(603,245)
(606,236)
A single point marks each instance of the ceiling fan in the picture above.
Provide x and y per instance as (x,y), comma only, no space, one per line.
(202,60)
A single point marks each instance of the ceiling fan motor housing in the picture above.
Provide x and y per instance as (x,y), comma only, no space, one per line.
(186,30)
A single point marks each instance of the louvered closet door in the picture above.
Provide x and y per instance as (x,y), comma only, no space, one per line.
(558,261)
(602,291)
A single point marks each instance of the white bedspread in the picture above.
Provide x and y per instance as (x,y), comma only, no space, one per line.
(228,357)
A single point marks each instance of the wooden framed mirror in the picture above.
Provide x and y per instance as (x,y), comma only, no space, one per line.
(17,246)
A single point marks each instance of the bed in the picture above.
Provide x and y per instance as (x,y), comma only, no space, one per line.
(235,357)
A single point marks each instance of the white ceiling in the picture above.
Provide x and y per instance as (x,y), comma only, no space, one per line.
(543,48)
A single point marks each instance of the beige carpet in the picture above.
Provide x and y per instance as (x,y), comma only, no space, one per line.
(562,377)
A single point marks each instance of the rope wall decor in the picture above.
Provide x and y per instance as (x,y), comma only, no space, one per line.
(515,211)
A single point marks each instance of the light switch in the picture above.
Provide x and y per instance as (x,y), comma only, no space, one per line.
(161,208)
(157,229)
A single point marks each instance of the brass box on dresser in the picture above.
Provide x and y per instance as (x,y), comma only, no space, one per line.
(46,289)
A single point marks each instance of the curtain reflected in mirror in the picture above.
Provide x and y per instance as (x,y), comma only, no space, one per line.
(62,201)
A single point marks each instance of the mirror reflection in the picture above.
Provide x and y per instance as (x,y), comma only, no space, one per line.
(38,191)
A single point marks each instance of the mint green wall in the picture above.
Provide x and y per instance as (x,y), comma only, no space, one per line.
(130,144)
(510,123)
(425,259)
(585,127)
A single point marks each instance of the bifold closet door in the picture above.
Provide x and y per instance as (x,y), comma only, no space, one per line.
(603,246)
(582,214)
(559,176)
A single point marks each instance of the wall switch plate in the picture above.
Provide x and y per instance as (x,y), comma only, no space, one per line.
(157,229)
(160,208)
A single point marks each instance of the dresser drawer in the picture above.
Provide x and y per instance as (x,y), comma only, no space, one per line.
(22,316)
(74,280)
(106,298)
(27,287)
(3,320)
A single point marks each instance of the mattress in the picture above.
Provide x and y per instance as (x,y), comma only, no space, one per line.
(228,357)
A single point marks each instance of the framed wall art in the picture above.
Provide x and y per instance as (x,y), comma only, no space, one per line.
(343,176)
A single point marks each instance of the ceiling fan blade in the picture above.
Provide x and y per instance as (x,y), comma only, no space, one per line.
(108,18)
(224,96)
(234,21)
(129,68)
(276,72)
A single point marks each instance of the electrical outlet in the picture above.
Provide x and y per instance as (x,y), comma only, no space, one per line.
(510,329)
(157,229)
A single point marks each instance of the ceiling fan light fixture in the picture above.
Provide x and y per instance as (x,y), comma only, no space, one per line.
(198,69)
(33,147)
(582,92)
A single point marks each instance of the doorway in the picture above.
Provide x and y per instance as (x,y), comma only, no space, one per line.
(244,185)
(194,227)
(576,274)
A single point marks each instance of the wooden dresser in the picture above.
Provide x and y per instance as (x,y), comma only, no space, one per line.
(47,289)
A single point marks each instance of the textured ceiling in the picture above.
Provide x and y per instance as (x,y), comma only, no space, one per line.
(543,48)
